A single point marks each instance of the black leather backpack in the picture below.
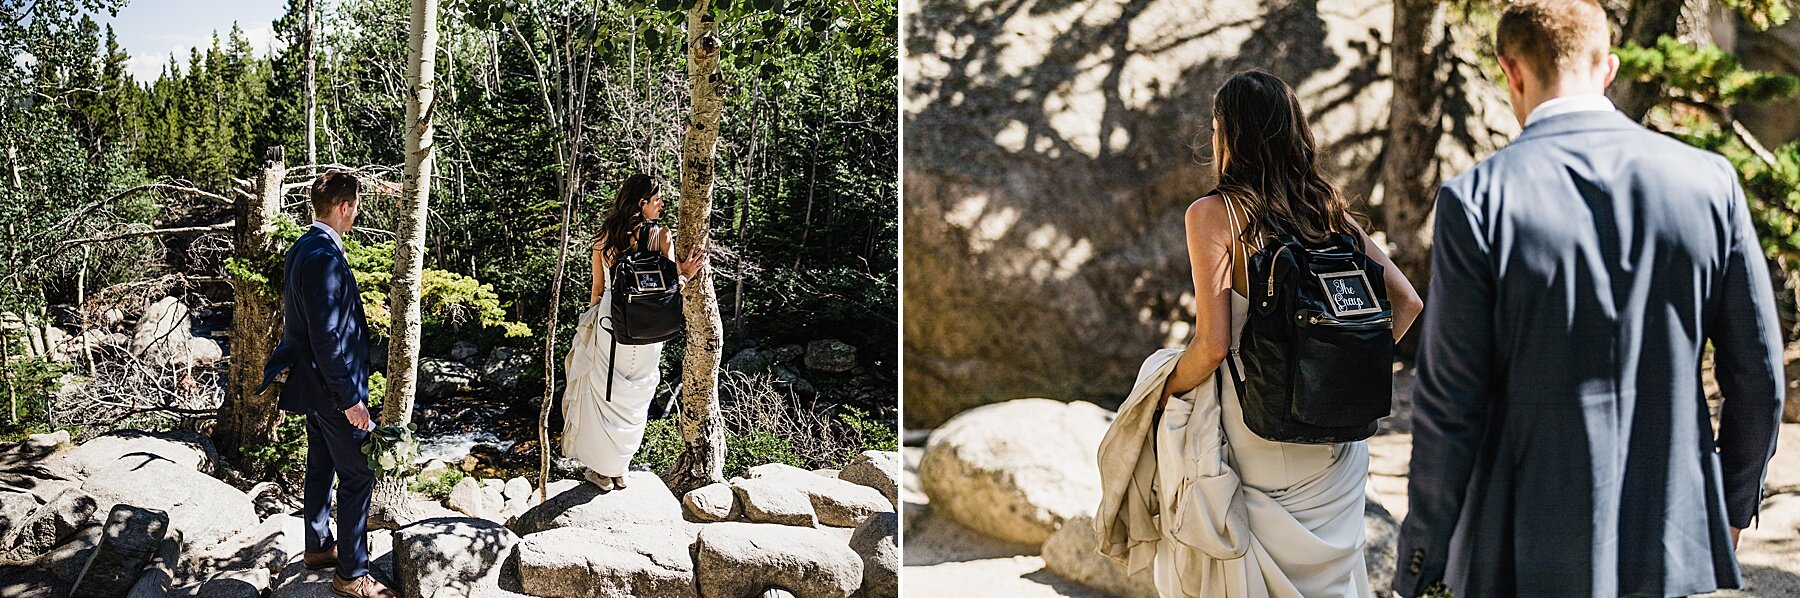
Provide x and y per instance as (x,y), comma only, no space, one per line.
(646,295)
(1317,345)
(646,300)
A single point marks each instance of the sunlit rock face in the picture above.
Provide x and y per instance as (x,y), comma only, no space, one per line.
(1051,149)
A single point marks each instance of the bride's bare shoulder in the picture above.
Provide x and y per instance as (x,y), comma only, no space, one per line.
(1208,211)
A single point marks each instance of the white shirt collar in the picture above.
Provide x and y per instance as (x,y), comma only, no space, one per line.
(330,232)
(1568,104)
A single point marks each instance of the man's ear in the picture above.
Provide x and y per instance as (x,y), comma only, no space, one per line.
(1515,75)
(1612,68)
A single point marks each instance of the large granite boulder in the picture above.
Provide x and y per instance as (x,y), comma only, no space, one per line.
(1052,147)
(877,541)
(205,510)
(1381,534)
(128,544)
(830,355)
(451,557)
(876,469)
(1017,470)
(622,560)
(504,367)
(163,333)
(746,559)
(766,500)
(43,527)
(1073,552)
(837,503)
(713,502)
(442,378)
(186,449)
(646,499)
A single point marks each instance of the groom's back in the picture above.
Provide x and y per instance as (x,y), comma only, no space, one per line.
(1609,248)
(1607,240)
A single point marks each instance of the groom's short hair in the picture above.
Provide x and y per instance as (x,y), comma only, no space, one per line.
(332,189)
(1552,36)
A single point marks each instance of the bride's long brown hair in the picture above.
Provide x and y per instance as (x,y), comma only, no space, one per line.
(1271,163)
(627,213)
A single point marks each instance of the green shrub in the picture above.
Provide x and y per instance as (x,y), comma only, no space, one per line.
(743,450)
(286,453)
(33,382)
(662,444)
(748,449)
(868,434)
(438,486)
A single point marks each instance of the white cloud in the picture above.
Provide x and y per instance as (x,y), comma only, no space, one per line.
(146,65)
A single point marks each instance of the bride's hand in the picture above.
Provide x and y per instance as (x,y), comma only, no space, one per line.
(696,259)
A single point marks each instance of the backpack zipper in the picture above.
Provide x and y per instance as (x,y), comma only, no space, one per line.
(1272,259)
(1320,320)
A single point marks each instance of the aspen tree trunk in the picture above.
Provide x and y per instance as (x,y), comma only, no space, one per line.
(409,251)
(312,102)
(702,459)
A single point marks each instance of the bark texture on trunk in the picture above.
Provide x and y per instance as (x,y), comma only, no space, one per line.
(1645,22)
(702,459)
(409,250)
(312,101)
(1409,168)
(247,418)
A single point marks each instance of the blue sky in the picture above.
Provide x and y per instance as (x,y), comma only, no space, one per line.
(152,30)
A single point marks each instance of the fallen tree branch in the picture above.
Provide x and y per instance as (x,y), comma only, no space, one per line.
(223,226)
(89,209)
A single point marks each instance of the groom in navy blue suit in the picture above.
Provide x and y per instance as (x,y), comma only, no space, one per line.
(323,361)
(1562,444)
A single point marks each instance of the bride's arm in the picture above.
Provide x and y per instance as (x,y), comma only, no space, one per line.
(1400,292)
(1209,257)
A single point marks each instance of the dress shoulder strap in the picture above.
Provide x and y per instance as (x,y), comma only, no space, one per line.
(1235,245)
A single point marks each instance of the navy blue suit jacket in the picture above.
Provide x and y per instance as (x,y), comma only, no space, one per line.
(324,336)
(1562,444)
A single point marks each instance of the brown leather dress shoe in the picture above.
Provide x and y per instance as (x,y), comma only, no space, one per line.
(361,587)
(323,559)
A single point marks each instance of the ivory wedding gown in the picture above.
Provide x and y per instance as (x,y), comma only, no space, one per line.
(604,434)
(1302,503)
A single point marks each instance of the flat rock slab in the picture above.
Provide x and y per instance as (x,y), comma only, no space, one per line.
(186,449)
(774,501)
(622,561)
(837,502)
(746,559)
(644,500)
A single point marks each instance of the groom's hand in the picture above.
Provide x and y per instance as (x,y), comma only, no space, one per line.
(359,417)
(1734,536)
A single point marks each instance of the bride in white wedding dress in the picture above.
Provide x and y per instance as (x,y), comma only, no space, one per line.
(1236,515)
(604,432)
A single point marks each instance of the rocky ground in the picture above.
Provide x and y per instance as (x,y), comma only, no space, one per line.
(138,514)
(998,504)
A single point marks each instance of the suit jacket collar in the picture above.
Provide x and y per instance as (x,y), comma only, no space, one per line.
(1578,122)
